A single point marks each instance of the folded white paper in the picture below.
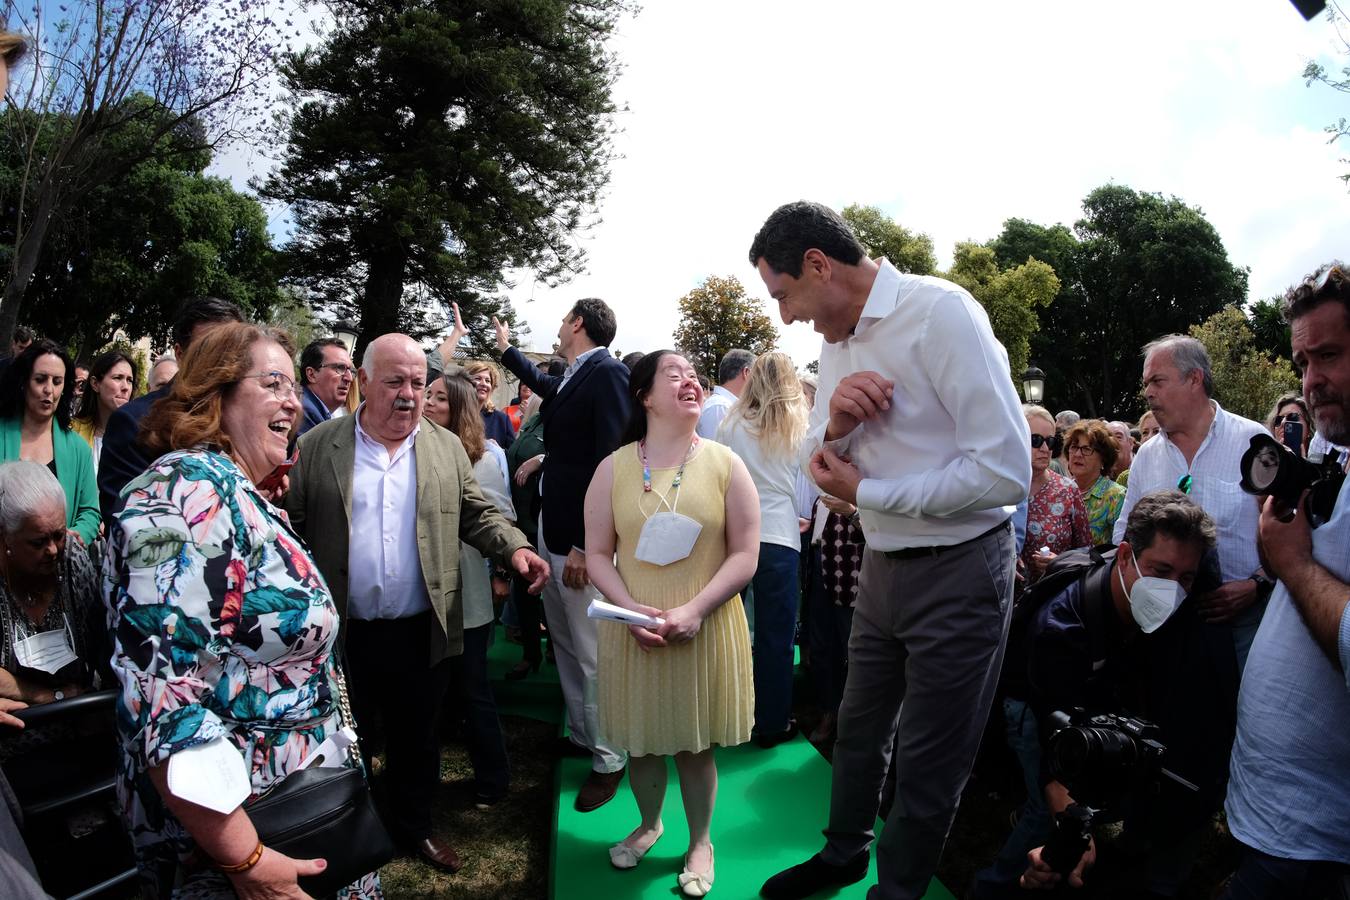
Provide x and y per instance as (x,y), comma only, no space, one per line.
(333,751)
(213,775)
(599,609)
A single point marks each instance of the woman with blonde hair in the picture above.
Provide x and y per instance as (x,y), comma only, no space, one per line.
(496,424)
(765,429)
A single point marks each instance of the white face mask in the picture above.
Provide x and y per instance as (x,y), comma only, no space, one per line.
(1152,600)
(667,537)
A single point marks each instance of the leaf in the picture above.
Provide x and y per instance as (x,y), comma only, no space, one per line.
(268,599)
(151,546)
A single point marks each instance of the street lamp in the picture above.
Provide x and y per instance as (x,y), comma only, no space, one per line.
(346,332)
(1033,384)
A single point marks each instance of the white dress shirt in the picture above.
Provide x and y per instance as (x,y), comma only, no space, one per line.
(1215,478)
(384,578)
(775,479)
(714,411)
(951,458)
(475,572)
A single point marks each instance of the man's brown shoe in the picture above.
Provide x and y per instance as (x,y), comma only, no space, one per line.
(598,790)
(439,854)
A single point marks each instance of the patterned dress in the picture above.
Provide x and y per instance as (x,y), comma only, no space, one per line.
(1056,518)
(222,628)
(1103,501)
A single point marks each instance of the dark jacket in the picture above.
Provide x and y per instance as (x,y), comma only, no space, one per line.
(123,457)
(316,412)
(582,424)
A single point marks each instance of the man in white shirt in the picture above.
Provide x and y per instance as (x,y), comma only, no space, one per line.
(923,432)
(384,498)
(732,374)
(1198,452)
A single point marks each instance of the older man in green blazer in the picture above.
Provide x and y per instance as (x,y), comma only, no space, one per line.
(384,497)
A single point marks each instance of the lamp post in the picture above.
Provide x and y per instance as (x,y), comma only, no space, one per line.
(346,332)
(1033,384)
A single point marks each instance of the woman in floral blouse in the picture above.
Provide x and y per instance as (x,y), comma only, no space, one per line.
(223,628)
(1056,518)
(1091,450)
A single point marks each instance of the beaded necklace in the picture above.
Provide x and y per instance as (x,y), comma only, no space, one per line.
(647,471)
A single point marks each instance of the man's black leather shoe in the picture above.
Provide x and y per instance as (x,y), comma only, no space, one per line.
(813,876)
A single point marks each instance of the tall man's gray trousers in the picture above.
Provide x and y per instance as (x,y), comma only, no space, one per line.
(923,665)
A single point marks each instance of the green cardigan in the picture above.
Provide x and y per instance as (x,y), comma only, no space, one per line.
(74,469)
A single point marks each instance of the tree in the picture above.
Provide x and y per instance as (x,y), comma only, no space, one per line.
(199,63)
(1266,318)
(1246,381)
(1315,72)
(716,317)
(1141,266)
(908,251)
(1010,297)
(123,256)
(434,143)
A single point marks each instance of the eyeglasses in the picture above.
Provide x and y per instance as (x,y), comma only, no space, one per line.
(282,388)
(1081,449)
(1288,417)
(341,369)
(1054,442)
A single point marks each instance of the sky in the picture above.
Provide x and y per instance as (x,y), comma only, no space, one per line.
(951,118)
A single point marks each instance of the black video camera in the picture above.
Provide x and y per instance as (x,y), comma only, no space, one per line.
(1269,468)
(1100,759)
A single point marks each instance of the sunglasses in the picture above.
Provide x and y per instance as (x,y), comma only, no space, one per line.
(1054,442)
(1185,483)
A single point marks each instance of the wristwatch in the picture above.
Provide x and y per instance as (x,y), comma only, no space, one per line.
(1264,586)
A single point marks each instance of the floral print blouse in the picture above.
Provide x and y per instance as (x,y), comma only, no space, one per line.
(1056,518)
(222,628)
(1103,501)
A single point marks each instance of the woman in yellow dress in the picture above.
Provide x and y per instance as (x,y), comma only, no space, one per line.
(681,518)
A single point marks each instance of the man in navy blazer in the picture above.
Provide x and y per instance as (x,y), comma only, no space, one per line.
(123,458)
(327,373)
(584,414)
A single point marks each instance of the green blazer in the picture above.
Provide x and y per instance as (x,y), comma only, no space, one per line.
(74,469)
(450,508)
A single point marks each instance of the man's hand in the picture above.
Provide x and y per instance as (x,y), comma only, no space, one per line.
(447,347)
(501,589)
(1227,600)
(6,707)
(530,566)
(835,475)
(503,334)
(835,505)
(857,398)
(574,570)
(1039,875)
(528,468)
(1285,545)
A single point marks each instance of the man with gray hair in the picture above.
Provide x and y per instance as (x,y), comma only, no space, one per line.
(1198,452)
(732,374)
(384,498)
(162,372)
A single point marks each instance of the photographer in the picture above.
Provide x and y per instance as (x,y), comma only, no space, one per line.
(1289,799)
(1127,638)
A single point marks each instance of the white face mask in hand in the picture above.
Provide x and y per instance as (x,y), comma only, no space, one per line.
(667,537)
(1152,600)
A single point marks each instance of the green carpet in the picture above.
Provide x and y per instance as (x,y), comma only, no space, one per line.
(771,807)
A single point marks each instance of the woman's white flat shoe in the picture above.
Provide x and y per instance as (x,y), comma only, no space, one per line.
(696,884)
(622,856)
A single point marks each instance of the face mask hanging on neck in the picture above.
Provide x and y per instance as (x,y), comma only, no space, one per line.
(1152,600)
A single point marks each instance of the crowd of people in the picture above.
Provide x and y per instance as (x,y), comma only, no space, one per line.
(293,545)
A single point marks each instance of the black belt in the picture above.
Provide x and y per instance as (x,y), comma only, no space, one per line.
(923,552)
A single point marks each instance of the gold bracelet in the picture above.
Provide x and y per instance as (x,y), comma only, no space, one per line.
(246,864)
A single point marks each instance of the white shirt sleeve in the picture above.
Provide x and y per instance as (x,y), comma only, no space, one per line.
(993,466)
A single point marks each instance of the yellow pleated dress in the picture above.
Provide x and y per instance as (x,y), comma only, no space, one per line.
(690,696)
